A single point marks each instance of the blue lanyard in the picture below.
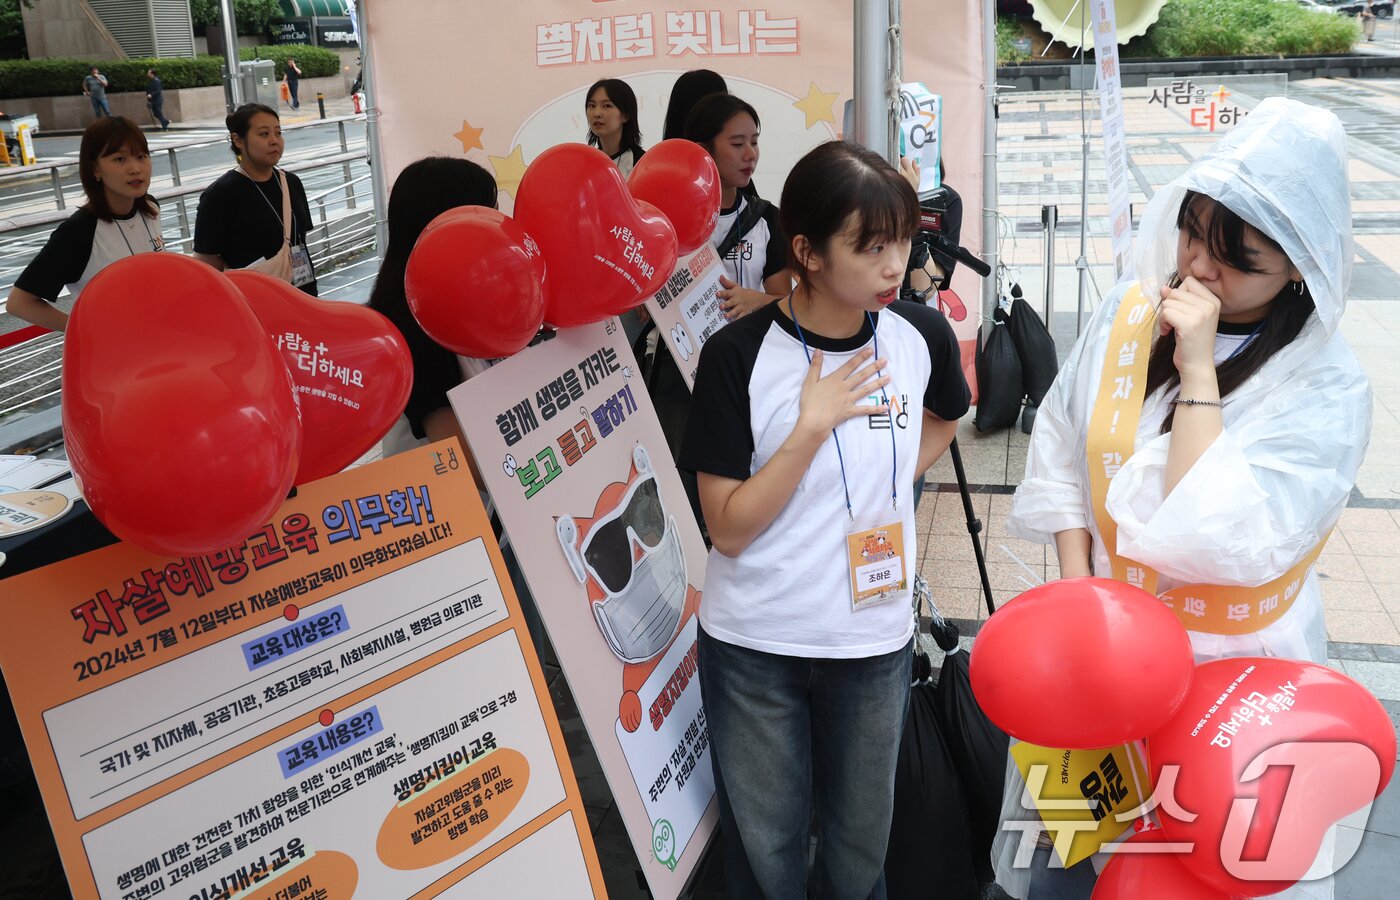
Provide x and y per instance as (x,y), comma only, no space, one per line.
(894,452)
(1248,339)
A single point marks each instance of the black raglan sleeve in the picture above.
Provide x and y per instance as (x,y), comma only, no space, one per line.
(62,259)
(719,432)
(947,395)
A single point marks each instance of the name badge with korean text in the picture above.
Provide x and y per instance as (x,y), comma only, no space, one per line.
(876,559)
(301,266)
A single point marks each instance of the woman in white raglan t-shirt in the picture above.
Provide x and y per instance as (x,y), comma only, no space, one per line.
(811,418)
(748,233)
(119,220)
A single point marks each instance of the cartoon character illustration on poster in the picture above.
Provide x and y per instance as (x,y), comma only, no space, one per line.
(877,547)
(629,558)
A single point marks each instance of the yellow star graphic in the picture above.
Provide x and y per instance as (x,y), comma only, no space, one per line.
(470,137)
(817,106)
(509,170)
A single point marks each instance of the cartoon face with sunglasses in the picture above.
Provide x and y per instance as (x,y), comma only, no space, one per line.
(630,559)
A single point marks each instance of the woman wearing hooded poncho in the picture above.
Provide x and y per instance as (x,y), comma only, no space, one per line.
(1208,426)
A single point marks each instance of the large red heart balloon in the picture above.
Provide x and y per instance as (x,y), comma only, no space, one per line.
(1081,663)
(1267,754)
(607,252)
(350,368)
(1140,869)
(679,178)
(475,282)
(178,413)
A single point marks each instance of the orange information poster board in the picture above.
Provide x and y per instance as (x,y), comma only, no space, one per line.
(345,704)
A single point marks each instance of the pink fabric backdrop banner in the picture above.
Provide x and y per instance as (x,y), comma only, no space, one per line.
(502,82)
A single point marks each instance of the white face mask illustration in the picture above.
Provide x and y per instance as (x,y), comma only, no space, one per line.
(645,596)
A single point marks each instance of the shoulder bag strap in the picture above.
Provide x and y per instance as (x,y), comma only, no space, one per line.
(752,212)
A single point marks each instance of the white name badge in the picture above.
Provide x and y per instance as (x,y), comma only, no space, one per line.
(301,266)
(876,563)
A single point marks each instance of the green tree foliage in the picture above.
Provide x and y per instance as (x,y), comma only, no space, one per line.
(1243,28)
(61,77)
(251,16)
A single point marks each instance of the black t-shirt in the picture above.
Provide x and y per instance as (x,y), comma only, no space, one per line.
(240,219)
(83,245)
(731,402)
(435,368)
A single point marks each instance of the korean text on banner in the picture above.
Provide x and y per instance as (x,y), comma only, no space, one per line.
(686,309)
(921,132)
(791,59)
(345,702)
(1115,144)
(565,437)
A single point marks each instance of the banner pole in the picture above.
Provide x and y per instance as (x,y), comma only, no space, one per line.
(989,158)
(376,157)
(871,56)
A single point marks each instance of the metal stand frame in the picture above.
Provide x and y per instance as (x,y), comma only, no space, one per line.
(974,524)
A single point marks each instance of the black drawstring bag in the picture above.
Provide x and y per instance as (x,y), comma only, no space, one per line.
(1000,386)
(979,751)
(930,853)
(1034,346)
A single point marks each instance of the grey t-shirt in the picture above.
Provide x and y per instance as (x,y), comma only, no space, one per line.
(95,86)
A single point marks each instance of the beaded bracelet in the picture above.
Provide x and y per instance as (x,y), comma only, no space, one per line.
(1219,403)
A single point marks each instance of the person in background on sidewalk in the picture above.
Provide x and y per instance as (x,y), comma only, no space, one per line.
(291,73)
(1252,414)
(1368,21)
(256,215)
(155,99)
(95,89)
(611,108)
(804,669)
(120,219)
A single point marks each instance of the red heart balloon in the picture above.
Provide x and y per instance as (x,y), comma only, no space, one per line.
(178,413)
(350,368)
(1081,663)
(679,178)
(607,252)
(475,282)
(1139,869)
(1267,754)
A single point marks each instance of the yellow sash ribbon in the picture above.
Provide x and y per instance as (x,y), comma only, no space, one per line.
(1215,609)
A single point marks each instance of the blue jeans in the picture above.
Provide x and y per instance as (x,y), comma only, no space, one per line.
(1075,883)
(99,106)
(790,733)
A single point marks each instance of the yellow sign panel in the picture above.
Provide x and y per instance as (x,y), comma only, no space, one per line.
(1081,794)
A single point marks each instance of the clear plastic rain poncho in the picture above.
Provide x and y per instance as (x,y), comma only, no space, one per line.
(1278,477)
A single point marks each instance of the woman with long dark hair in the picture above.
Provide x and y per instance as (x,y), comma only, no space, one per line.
(611,108)
(119,219)
(424,190)
(690,88)
(1208,426)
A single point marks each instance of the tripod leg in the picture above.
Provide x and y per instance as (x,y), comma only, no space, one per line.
(974,525)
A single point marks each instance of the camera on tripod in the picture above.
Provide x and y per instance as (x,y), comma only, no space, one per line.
(940,226)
